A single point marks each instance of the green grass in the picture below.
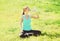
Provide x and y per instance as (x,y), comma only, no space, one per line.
(48,23)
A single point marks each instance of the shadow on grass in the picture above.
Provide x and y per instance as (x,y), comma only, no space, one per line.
(50,35)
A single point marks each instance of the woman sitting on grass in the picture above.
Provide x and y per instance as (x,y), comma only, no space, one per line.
(26,21)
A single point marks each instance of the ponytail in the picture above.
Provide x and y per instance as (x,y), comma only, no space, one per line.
(23,13)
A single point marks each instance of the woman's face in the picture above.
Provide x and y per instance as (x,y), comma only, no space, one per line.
(26,11)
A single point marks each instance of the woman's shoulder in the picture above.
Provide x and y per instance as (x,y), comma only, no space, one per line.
(22,16)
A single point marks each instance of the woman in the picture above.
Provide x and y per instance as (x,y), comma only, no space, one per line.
(26,21)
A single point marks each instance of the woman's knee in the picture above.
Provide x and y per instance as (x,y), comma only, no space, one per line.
(37,32)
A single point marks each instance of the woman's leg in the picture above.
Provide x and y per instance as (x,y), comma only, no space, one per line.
(30,33)
(24,35)
(36,32)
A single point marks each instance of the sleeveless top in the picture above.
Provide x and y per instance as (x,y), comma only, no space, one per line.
(26,23)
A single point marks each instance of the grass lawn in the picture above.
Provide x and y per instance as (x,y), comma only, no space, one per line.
(48,23)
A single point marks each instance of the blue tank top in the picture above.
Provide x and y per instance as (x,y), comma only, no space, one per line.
(26,23)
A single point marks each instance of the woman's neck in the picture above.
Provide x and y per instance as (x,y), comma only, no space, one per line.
(26,14)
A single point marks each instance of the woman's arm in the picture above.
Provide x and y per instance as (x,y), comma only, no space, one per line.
(21,20)
(35,16)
